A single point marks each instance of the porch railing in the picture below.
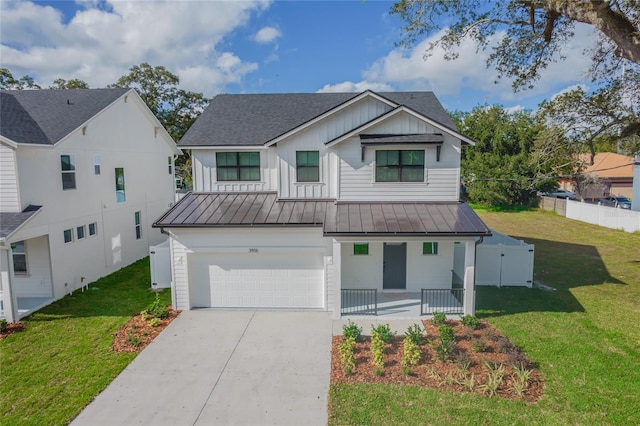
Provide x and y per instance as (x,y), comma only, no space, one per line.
(359,301)
(448,301)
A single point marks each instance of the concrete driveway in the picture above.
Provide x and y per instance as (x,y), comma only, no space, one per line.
(226,368)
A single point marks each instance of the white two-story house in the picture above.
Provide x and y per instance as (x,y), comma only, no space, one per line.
(83,174)
(329,201)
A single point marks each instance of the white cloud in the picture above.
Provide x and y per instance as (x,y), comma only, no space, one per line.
(267,35)
(349,86)
(514,109)
(570,89)
(104,39)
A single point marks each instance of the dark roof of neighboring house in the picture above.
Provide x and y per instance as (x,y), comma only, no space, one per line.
(255,119)
(11,221)
(46,116)
(210,210)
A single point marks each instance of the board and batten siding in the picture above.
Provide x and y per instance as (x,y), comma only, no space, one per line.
(357,177)
(9,198)
(205,173)
(180,275)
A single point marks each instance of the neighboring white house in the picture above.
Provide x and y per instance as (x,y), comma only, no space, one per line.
(323,201)
(83,174)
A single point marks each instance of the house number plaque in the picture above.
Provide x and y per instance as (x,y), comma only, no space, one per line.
(253,250)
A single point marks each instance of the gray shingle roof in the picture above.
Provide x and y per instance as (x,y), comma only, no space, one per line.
(9,222)
(47,116)
(209,210)
(255,119)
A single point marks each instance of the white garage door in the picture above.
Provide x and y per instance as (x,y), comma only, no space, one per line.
(258,280)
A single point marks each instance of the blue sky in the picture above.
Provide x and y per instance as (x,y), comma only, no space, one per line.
(257,47)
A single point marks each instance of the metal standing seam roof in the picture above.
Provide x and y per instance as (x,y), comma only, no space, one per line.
(255,119)
(44,117)
(210,210)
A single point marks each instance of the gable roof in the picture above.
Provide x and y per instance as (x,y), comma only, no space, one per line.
(44,117)
(257,119)
(10,222)
(609,165)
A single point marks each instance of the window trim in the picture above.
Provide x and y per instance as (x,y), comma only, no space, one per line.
(70,172)
(24,254)
(434,248)
(239,168)
(362,245)
(400,166)
(118,185)
(307,167)
(64,233)
(84,232)
(137,219)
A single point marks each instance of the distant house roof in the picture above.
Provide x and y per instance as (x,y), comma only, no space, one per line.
(11,221)
(256,119)
(210,210)
(44,117)
(609,165)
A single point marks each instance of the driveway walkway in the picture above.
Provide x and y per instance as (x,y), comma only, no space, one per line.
(225,368)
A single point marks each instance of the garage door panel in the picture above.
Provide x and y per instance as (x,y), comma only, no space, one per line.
(288,280)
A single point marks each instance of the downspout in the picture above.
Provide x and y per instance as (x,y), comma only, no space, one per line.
(475,270)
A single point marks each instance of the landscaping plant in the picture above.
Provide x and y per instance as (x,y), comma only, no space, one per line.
(415,334)
(351,330)
(383,331)
(470,321)
(439,318)
(445,344)
(377,349)
(157,309)
(347,355)
(3,325)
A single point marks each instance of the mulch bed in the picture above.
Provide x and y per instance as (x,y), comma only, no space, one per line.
(13,327)
(433,373)
(137,333)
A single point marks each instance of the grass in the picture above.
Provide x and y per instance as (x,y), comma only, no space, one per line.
(584,337)
(63,360)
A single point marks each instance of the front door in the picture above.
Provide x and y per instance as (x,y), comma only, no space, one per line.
(394,267)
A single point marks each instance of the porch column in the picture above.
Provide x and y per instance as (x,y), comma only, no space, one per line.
(469,277)
(10,302)
(337,279)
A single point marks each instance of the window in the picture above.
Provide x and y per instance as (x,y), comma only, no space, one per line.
(68,235)
(120,197)
(430,248)
(307,166)
(93,229)
(80,232)
(399,166)
(170,165)
(68,167)
(96,164)
(19,257)
(242,166)
(138,225)
(360,248)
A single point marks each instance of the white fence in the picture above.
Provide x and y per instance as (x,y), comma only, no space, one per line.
(605,216)
(502,260)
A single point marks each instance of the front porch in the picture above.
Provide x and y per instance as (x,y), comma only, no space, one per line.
(26,305)
(398,305)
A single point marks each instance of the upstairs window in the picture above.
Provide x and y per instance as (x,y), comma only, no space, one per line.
(307,166)
(399,166)
(238,166)
(120,195)
(19,257)
(170,165)
(96,164)
(68,167)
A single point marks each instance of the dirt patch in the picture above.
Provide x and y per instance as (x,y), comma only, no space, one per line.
(494,349)
(13,327)
(137,333)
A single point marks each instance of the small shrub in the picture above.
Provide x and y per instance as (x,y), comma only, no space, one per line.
(411,354)
(134,340)
(445,343)
(495,375)
(520,380)
(377,348)
(468,381)
(347,355)
(351,329)
(479,346)
(156,309)
(463,360)
(407,371)
(378,371)
(383,331)
(4,325)
(470,321)
(414,333)
(154,322)
(439,318)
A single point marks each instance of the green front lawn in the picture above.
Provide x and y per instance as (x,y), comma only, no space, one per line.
(584,337)
(54,368)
